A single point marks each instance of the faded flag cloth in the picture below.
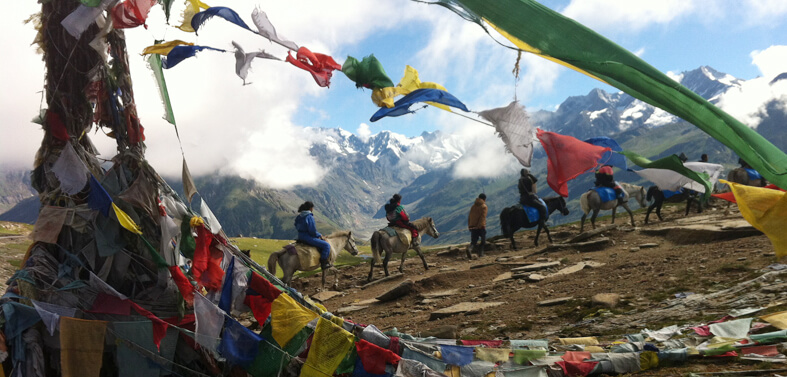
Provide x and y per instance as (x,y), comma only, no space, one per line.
(368,73)
(537,29)
(529,343)
(288,318)
(131,362)
(81,347)
(189,188)
(223,12)
(156,66)
(192,7)
(98,198)
(373,335)
(492,354)
(49,223)
(512,125)
(321,66)
(610,157)
(265,28)
(50,314)
(413,368)
(210,319)
(410,82)
(568,158)
(375,358)
(243,60)
(260,295)
(778,320)
(125,220)
(524,356)
(730,196)
(181,53)
(402,106)
(131,13)
(165,47)
(765,210)
(457,355)
(238,344)
(431,362)
(225,302)
(70,170)
(673,163)
(736,329)
(477,369)
(83,16)
(585,341)
(329,346)
(210,218)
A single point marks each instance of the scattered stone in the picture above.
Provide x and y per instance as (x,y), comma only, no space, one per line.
(503,276)
(535,277)
(462,307)
(577,267)
(634,249)
(367,302)
(502,259)
(769,254)
(482,265)
(447,269)
(648,245)
(594,245)
(437,294)
(326,295)
(587,258)
(350,309)
(468,330)
(441,332)
(585,235)
(741,259)
(536,267)
(704,233)
(555,301)
(543,259)
(609,300)
(378,281)
(485,294)
(471,286)
(403,289)
(428,301)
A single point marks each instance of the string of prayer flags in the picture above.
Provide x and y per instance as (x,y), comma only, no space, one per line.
(222,12)
(410,82)
(673,163)
(730,196)
(265,28)
(260,295)
(321,66)
(239,345)
(328,348)
(131,13)
(368,73)
(243,60)
(402,106)
(764,209)
(209,319)
(512,125)
(374,357)
(83,16)
(192,7)
(126,221)
(610,157)
(568,157)
(181,53)
(70,170)
(457,355)
(156,65)
(288,317)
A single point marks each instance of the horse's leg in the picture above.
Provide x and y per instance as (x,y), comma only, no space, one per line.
(386,259)
(631,214)
(647,213)
(688,205)
(593,218)
(335,279)
(513,243)
(401,265)
(614,210)
(371,269)
(538,231)
(546,230)
(420,254)
(582,223)
(323,281)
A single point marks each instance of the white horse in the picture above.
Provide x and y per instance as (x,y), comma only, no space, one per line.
(341,240)
(591,201)
(383,243)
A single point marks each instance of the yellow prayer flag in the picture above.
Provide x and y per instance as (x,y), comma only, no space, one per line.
(594,349)
(648,359)
(585,341)
(329,347)
(492,355)
(288,317)
(164,48)
(778,320)
(125,221)
(384,96)
(410,82)
(192,7)
(764,209)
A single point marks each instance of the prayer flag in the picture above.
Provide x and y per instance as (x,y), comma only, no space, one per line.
(81,347)
(610,157)
(165,47)
(568,157)
(125,221)
(512,125)
(70,170)
(288,318)
(192,7)
(673,163)
(368,73)
(319,65)
(402,106)
(155,65)
(225,302)
(266,29)
(765,210)
(328,348)
(131,13)
(223,12)
(181,53)
(238,344)
(243,60)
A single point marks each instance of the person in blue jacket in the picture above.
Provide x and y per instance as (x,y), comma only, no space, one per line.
(308,234)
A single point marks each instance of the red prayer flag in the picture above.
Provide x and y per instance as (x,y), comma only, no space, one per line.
(568,158)
(55,126)
(159,326)
(730,197)
(259,297)
(374,357)
(183,283)
(485,343)
(206,265)
(319,65)
(577,368)
(131,13)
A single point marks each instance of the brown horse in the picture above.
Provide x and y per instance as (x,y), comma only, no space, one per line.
(383,243)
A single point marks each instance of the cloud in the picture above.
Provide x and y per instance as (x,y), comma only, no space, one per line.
(363,132)
(485,155)
(629,16)
(747,103)
(762,12)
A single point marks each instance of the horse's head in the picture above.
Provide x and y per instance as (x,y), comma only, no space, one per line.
(643,203)
(431,229)
(350,245)
(563,208)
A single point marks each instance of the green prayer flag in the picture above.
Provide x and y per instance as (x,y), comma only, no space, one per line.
(167,5)
(537,29)
(368,73)
(673,163)
(187,242)
(154,62)
(157,258)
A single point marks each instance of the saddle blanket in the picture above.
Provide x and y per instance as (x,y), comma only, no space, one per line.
(308,256)
(605,193)
(532,212)
(753,174)
(405,235)
(668,193)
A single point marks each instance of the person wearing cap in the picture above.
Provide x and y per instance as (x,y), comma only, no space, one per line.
(527,192)
(476,223)
(605,178)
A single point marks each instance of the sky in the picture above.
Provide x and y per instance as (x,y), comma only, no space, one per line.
(257,130)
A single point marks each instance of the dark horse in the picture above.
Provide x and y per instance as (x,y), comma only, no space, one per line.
(513,218)
(658,198)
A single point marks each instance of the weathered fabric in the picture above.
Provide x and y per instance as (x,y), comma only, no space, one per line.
(402,106)
(577,368)
(609,157)
(513,126)
(98,198)
(18,318)
(375,358)
(329,347)
(243,60)
(625,362)
(525,356)
(457,355)
(221,12)
(373,335)
(648,360)
(413,368)
(409,83)
(368,73)
(131,13)
(81,347)
(259,296)
(210,218)
(210,319)
(431,362)
(477,369)
(765,210)
(189,188)
(736,329)
(778,320)
(288,317)
(320,66)
(530,343)
(82,17)
(70,170)
(165,47)
(265,28)
(585,341)
(530,371)
(663,334)
(50,221)
(238,345)
(225,301)
(181,53)
(50,314)
(675,164)
(134,364)
(568,157)
(492,354)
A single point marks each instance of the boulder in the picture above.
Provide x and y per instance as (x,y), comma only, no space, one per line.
(441,332)
(608,300)
(403,289)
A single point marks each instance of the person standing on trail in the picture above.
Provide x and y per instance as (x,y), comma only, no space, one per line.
(308,234)
(527,192)
(396,216)
(476,223)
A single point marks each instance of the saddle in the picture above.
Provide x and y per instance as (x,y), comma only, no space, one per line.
(606,194)
(405,235)
(308,256)
(753,174)
(532,212)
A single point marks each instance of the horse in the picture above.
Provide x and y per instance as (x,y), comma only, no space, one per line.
(657,195)
(513,218)
(590,201)
(383,243)
(741,176)
(341,240)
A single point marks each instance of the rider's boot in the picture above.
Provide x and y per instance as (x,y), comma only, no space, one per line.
(480,250)
(324,264)
(469,254)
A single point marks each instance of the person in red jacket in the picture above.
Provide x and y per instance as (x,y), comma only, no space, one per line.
(605,178)
(396,216)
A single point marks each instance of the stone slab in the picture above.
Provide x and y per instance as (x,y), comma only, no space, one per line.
(378,281)
(536,267)
(326,295)
(555,301)
(704,233)
(350,309)
(598,244)
(436,294)
(462,307)
(503,276)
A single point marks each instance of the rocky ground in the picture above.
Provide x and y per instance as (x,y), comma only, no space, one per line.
(621,280)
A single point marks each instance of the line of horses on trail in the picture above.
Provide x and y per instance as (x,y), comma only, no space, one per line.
(511,219)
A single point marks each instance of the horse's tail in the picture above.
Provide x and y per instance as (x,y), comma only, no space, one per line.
(583,202)
(504,221)
(377,247)
(273,259)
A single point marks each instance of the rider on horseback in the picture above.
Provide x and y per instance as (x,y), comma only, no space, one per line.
(527,193)
(308,234)
(605,178)
(396,216)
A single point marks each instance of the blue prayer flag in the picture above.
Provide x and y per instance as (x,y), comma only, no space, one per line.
(239,345)
(457,355)
(225,302)
(610,157)
(402,106)
(99,199)
(223,12)
(181,53)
